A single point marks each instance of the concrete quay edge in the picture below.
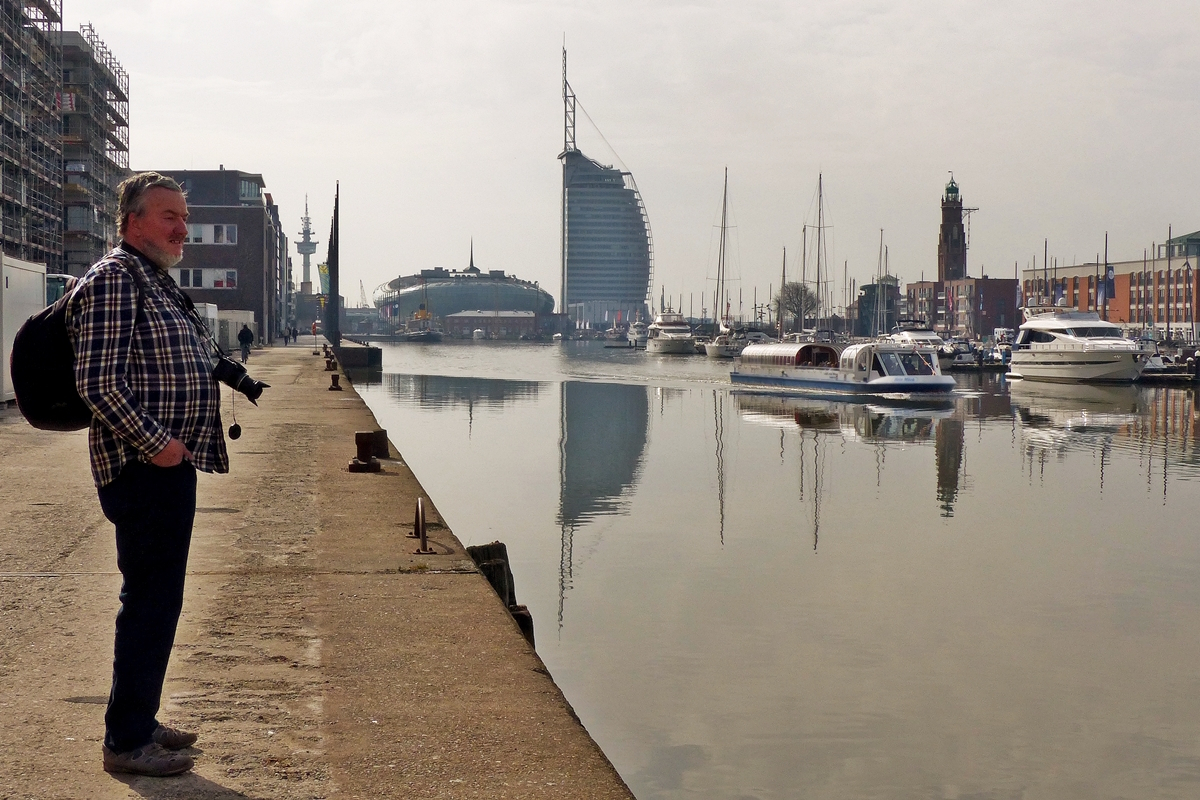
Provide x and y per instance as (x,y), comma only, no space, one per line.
(317,655)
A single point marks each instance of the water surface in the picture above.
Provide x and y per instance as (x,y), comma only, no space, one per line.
(751,596)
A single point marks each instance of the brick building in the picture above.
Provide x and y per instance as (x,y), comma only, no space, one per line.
(236,253)
(1156,291)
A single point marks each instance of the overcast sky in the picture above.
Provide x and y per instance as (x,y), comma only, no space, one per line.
(443,121)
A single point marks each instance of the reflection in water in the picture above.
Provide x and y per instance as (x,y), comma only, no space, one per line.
(436,391)
(948,455)
(907,611)
(877,424)
(719,429)
(602,430)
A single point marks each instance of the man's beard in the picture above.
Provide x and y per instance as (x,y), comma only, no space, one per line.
(161,257)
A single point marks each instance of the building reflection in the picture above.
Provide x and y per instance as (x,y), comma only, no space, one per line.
(438,391)
(602,440)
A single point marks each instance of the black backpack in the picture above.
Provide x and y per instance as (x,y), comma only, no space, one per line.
(42,365)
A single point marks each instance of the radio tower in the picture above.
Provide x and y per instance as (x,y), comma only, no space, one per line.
(306,247)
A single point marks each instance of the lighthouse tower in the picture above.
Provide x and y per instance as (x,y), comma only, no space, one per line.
(306,247)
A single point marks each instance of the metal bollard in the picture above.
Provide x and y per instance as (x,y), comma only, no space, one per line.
(364,461)
(381,444)
(336,387)
(423,549)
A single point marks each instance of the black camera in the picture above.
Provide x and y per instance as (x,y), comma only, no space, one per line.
(233,375)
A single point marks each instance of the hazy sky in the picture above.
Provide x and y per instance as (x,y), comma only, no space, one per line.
(443,120)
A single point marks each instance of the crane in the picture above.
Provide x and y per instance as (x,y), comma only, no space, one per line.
(362,296)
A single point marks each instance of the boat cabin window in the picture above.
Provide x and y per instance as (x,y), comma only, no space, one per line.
(816,356)
(916,364)
(902,364)
(1098,332)
(1040,337)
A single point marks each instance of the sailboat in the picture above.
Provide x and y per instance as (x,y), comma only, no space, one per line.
(723,344)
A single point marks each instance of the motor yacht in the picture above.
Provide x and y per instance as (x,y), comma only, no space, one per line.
(637,333)
(670,334)
(1068,346)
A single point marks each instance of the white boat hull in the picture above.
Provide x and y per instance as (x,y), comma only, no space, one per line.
(671,345)
(839,382)
(721,350)
(1071,366)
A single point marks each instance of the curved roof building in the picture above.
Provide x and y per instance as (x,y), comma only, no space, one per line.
(446,291)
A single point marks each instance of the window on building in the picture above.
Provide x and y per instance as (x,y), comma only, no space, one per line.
(201,233)
(78,218)
(198,278)
(184,277)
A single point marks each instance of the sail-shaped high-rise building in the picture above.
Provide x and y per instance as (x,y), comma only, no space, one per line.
(607,249)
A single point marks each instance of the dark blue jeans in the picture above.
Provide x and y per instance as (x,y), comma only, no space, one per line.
(153,509)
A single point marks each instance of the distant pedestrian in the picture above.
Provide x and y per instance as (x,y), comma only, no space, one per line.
(295,334)
(287,335)
(314,328)
(142,366)
(245,339)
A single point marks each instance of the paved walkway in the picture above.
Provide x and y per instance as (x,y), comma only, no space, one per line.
(317,656)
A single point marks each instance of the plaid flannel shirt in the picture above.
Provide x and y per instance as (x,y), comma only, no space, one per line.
(146,374)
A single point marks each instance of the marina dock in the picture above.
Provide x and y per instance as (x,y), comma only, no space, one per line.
(318,656)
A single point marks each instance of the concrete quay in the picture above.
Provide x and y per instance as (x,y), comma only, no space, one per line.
(317,655)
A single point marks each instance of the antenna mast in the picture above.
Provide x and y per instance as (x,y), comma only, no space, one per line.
(306,247)
(568,147)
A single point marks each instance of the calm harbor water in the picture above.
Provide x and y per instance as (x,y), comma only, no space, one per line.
(748,596)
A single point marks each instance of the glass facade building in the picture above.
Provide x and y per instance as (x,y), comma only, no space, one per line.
(607,245)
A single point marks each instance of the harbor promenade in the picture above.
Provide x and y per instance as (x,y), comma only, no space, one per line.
(317,655)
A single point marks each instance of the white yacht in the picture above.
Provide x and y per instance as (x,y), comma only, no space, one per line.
(637,333)
(1068,346)
(917,334)
(670,334)
(730,344)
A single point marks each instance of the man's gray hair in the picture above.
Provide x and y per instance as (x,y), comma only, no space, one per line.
(132,191)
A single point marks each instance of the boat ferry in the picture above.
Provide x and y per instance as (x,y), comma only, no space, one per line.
(866,369)
(1068,346)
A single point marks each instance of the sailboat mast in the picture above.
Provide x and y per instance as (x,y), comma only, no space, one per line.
(820,238)
(803,272)
(782,283)
(721,255)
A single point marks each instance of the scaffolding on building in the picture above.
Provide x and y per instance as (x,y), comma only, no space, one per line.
(30,130)
(94,103)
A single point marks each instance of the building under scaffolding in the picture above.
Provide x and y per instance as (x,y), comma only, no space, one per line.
(607,248)
(30,134)
(95,135)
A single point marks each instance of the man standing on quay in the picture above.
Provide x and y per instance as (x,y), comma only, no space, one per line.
(142,367)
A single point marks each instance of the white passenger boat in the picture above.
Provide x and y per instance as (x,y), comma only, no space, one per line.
(670,334)
(1068,346)
(870,368)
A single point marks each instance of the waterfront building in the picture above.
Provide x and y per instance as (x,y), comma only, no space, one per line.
(94,104)
(607,246)
(1155,292)
(31,194)
(877,306)
(494,324)
(236,255)
(923,301)
(445,292)
(975,307)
